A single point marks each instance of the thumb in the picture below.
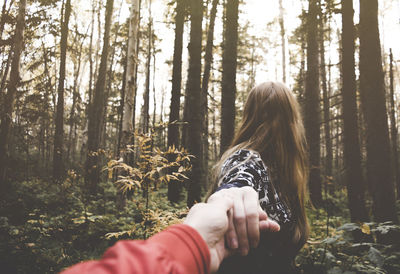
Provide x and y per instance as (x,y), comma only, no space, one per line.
(269,225)
(261,214)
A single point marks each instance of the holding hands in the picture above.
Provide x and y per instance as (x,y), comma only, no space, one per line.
(246,218)
(230,221)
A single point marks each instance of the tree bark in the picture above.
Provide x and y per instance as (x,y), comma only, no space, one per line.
(145,117)
(326,102)
(154,86)
(229,64)
(393,128)
(214,128)
(10,96)
(174,187)
(283,41)
(96,111)
(91,58)
(312,107)
(208,59)
(4,75)
(121,107)
(4,72)
(128,126)
(58,162)
(136,70)
(379,165)
(352,154)
(194,97)
(2,19)
(46,108)
(75,97)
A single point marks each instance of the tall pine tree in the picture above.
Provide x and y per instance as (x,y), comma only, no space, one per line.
(96,110)
(229,64)
(379,168)
(11,94)
(58,163)
(352,153)
(312,107)
(173,125)
(194,97)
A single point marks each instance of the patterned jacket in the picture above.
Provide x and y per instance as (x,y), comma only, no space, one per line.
(276,251)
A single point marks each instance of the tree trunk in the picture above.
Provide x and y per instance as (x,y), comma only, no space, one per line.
(208,59)
(379,165)
(4,75)
(121,107)
(194,97)
(2,19)
(184,137)
(145,117)
(302,73)
(110,75)
(214,129)
(173,127)
(393,129)
(312,107)
(136,70)
(174,187)
(91,59)
(282,26)
(4,72)
(161,120)
(128,126)
(13,83)
(326,103)
(75,97)
(95,119)
(229,63)
(58,163)
(352,154)
(154,86)
(46,108)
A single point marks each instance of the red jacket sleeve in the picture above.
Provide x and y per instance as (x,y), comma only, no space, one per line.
(179,249)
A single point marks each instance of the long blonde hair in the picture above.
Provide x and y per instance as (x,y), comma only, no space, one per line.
(273,127)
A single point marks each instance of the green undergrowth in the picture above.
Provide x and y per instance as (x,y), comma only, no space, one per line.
(337,246)
(45,228)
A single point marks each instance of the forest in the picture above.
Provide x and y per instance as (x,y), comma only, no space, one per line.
(113,114)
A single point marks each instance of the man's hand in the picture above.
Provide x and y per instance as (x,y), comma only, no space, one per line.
(213,219)
(246,218)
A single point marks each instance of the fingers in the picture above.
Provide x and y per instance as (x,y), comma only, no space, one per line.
(240,223)
(230,236)
(245,217)
(223,202)
(251,206)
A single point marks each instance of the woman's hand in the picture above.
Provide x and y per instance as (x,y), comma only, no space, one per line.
(246,218)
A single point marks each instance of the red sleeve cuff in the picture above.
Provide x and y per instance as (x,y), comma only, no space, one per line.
(186,246)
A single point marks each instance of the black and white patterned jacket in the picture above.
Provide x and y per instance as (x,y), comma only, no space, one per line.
(246,168)
(276,252)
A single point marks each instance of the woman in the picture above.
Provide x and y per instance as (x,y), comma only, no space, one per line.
(268,153)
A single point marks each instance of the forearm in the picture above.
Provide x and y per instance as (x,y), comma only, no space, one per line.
(180,249)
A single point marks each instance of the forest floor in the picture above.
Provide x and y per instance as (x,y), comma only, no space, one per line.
(45,228)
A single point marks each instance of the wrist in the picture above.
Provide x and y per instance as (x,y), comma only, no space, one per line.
(190,249)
